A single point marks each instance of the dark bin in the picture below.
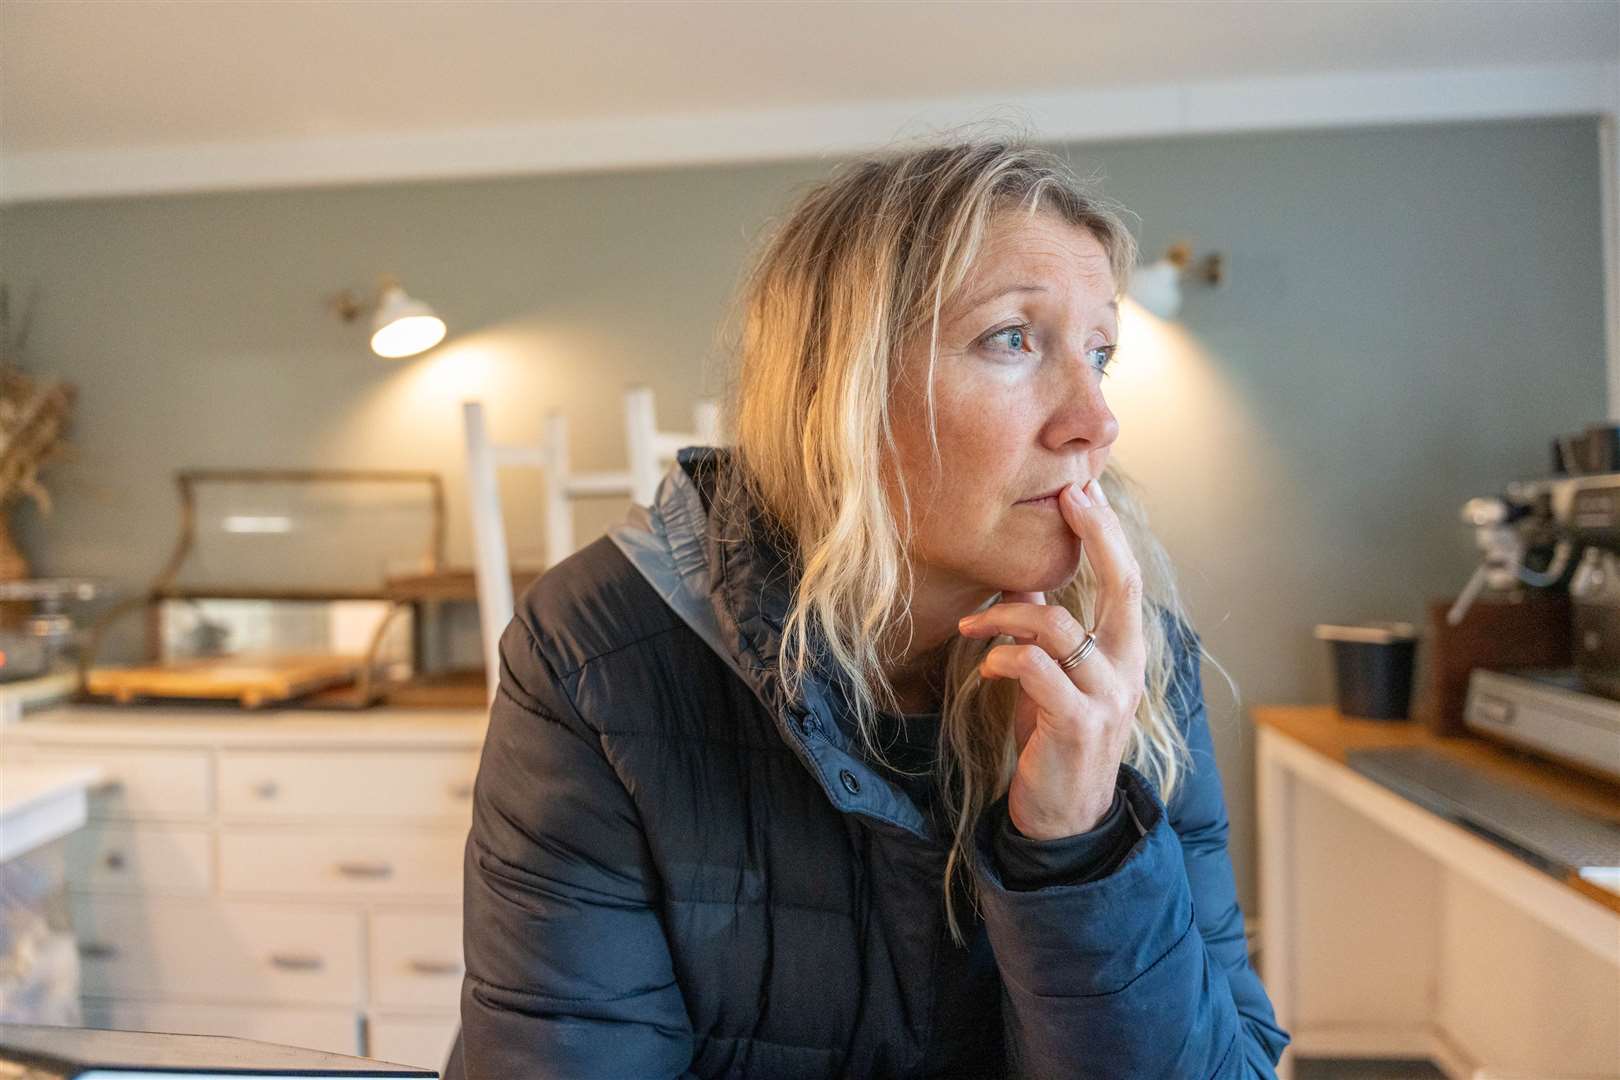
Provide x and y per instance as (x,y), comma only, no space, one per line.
(1373,663)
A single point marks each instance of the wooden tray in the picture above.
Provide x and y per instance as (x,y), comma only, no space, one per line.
(251,681)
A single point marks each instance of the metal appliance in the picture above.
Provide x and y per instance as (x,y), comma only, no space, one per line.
(1560,532)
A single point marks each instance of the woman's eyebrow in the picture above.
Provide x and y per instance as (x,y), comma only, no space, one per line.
(1010,289)
(1000,292)
(1112,305)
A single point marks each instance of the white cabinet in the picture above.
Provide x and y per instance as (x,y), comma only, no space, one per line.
(351,785)
(209,950)
(415,986)
(287,876)
(152,785)
(110,857)
(342,861)
(416,959)
(1390,930)
(422,1041)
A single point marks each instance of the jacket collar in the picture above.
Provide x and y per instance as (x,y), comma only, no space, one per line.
(721,568)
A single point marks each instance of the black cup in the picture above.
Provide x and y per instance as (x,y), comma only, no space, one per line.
(1373,664)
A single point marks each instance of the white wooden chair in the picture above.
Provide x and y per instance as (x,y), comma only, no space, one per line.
(648,450)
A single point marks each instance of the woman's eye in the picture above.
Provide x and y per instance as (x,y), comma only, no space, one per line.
(1013,336)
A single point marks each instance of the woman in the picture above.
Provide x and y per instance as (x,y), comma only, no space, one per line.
(753,800)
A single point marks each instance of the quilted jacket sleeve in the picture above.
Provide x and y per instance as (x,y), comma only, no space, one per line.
(568,971)
(1142,972)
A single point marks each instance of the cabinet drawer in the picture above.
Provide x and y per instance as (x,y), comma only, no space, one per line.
(336,1031)
(342,861)
(165,859)
(142,783)
(420,1041)
(199,950)
(349,784)
(416,960)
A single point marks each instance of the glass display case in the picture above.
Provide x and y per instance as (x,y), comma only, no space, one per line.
(284,587)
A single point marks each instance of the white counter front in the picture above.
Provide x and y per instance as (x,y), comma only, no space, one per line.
(41,803)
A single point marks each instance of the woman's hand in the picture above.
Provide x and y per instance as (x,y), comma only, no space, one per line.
(1071,726)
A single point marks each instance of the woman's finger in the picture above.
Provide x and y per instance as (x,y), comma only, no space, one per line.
(1043,682)
(1047,625)
(1119,603)
(1052,629)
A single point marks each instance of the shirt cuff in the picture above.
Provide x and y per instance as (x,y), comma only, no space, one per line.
(1028,864)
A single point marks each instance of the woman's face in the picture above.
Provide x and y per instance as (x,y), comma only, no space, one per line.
(1018,395)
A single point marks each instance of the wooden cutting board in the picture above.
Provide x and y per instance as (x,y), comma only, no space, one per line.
(251,681)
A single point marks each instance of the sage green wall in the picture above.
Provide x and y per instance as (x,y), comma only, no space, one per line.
(1410,314)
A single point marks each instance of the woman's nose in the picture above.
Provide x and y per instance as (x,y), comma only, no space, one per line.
(1084,413)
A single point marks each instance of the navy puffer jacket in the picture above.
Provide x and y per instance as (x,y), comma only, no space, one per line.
(674,870)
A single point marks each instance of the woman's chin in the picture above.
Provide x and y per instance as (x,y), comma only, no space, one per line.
(1047,575)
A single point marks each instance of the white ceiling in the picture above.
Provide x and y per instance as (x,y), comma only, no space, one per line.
(84,82)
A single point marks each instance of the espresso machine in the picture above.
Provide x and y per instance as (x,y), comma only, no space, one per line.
(1560,532)
(1541,539)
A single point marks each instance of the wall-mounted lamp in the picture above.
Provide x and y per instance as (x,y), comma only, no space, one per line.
(1157,286)
(400,326)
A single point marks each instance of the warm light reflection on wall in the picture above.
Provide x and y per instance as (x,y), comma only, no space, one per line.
(466,368)
(1186,430)
(411,412)
(1164,389)
(1145,345)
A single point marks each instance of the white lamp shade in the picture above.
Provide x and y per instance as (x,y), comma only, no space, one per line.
(1157,288)
(402,326)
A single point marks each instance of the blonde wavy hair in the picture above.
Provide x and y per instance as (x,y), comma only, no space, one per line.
(862,261)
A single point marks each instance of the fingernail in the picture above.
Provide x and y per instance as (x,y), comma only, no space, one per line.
(1098,493)
(1077,496)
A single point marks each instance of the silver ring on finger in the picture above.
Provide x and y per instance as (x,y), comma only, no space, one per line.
(1079,654)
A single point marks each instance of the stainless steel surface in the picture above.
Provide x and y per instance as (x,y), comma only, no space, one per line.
(1547,711)
(1546,833)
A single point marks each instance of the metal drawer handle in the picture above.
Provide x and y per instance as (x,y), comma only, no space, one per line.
(266,789)
(462,790)
(435,967)
(97,950)
(114,860)
(297,961)
(365,869)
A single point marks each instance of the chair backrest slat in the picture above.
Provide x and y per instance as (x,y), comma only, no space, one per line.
(648,450)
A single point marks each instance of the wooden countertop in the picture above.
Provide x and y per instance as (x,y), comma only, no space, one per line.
(1325,730)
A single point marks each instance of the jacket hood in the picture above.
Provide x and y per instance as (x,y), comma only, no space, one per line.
(712,557)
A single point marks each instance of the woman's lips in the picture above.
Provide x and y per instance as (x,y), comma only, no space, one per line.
(1049,499)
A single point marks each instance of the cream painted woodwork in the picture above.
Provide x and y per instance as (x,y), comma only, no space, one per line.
(1389,931)
(290,875)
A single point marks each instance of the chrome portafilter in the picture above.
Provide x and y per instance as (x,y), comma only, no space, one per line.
(1498,536)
